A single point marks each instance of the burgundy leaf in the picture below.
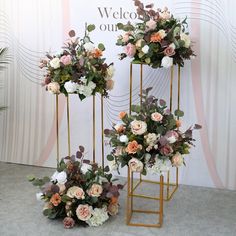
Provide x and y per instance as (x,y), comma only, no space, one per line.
(72,33)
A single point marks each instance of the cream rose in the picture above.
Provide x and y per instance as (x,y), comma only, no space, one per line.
(186,39)
(113,209)
(75,192)
(138,127)
(95,190)
(55,63)
(53,87)
(177,160)
(139,43)
(84,212)
(110,72)
(156,116)
(135,165)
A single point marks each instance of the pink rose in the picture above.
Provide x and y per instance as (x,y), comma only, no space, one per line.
(84,212)
(177,159)
(165,14)
(53,87)
(169,51)
(156,116)
(68,222)
(130,50)
(95,190)
(166,150)
(66,60)
(151,24)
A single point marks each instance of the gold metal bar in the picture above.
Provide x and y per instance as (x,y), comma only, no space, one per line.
(161,200)
(94,134)
(130,87)
(156,182)
(141,83)
(57,127)
(171,86)
(128,196)
(145,225)
(68,124)
(177,177)
(178,87)
(172,193)
(168,185)
(149,212)
(139,182)
(144,196)
(132,186)
(102,127)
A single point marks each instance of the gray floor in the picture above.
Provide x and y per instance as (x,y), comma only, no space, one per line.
(193,211)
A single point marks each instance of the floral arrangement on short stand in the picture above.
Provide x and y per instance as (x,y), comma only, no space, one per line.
(79,68)
(79,191)
(158,40)
(149,140)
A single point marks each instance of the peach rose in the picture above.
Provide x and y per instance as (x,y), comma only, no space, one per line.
(138,127)
(133,147)
(55,199)
(110,84)
(84,212)
(178,123)
(158,36)
(113,209)
(95,190)
(177,160)
(122,115)
(119,128)
(96,53)
(53,87)
(156,116)
(135,165)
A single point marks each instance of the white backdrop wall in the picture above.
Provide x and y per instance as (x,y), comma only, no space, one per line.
(31,28)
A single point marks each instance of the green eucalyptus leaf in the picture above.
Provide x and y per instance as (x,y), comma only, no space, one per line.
(90,27)
(101,46)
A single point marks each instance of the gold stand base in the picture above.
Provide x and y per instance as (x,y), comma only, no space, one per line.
(132,194)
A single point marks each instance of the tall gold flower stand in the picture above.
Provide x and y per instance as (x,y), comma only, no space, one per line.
(68,127)
(166,187)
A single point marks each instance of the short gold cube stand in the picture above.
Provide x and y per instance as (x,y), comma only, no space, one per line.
(156,211)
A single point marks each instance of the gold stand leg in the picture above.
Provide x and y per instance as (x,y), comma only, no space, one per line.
(68,124)
(94,133)
(102,128)
(130,87)
(57,128)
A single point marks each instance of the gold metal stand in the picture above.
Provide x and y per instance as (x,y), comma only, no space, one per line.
(132,194)
(68,127)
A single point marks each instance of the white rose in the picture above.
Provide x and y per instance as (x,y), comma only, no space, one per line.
(177,160)
(186,39)
(138,127)
(39,196)
(71,87)
(124,138)
(110,72)
(167,62)
(99,216)
(145,49)
(60,177)
(85,168)
(89,46)
(171,139)
(135,165)
(55,63)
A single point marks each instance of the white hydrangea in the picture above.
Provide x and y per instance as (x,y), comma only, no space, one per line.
(160,166)
(99,216)
(60,177)
(85,168)
(89,46)
(39,196)
(86,90)
(151,138)
(167,62)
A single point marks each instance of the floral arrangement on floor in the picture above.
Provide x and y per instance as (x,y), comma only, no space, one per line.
(79,68)
(158,40)
(79,191)
(149,140)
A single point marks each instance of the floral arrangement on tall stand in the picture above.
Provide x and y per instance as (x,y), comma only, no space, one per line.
(150,139)
(158,39)
(79,192)
(79,69)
